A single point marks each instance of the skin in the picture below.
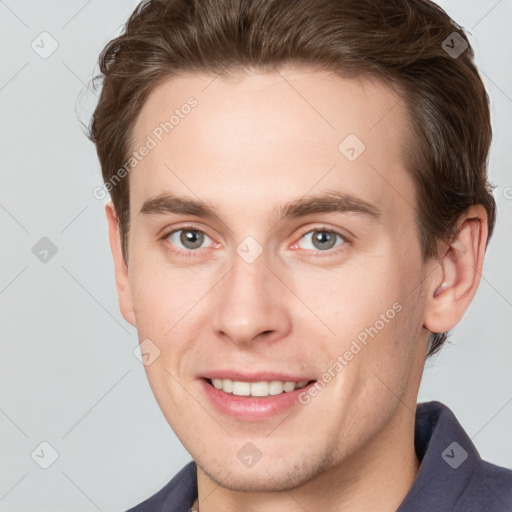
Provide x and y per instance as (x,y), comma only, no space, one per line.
(255,143)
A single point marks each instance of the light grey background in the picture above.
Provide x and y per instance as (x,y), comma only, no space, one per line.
(68,373)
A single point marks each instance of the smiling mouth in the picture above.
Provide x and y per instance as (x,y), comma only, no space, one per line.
(260,389)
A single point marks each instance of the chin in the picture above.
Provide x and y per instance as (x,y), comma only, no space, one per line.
(269,476)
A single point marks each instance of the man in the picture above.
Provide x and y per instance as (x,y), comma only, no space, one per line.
(299,215)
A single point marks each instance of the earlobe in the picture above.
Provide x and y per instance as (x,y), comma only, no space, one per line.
(453,287)
(124,293)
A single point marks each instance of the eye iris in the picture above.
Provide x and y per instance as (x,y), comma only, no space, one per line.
(191,239)
(325,239)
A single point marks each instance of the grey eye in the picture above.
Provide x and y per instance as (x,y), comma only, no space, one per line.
(188,238)
(323,240)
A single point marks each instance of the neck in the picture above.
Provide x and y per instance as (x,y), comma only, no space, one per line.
(377,476)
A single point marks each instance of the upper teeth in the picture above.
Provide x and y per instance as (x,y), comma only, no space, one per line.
(239,388)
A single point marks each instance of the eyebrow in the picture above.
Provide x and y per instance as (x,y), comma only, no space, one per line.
(329,202)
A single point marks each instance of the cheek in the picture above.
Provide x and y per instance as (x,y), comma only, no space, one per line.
(349,299)
(170,306)
(162,296)
(394,349)
(368,312)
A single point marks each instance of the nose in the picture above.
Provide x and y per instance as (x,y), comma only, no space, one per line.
(252,304)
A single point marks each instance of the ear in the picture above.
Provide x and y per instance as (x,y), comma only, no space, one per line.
(453,286)
(124,293)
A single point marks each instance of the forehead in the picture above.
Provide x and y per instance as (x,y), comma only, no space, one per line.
(271,136)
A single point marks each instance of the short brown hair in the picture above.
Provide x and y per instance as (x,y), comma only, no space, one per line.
(402,42)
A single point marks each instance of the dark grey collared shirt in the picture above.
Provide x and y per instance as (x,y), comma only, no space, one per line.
(452,475)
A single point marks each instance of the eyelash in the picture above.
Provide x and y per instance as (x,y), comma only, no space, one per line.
(191,253)
(183,253)
(328,252)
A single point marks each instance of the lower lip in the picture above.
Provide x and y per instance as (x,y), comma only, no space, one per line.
(252,408)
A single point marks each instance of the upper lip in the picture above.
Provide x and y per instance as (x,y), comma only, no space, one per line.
(260,376)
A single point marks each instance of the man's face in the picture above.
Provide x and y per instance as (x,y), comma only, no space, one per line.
(267,291)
